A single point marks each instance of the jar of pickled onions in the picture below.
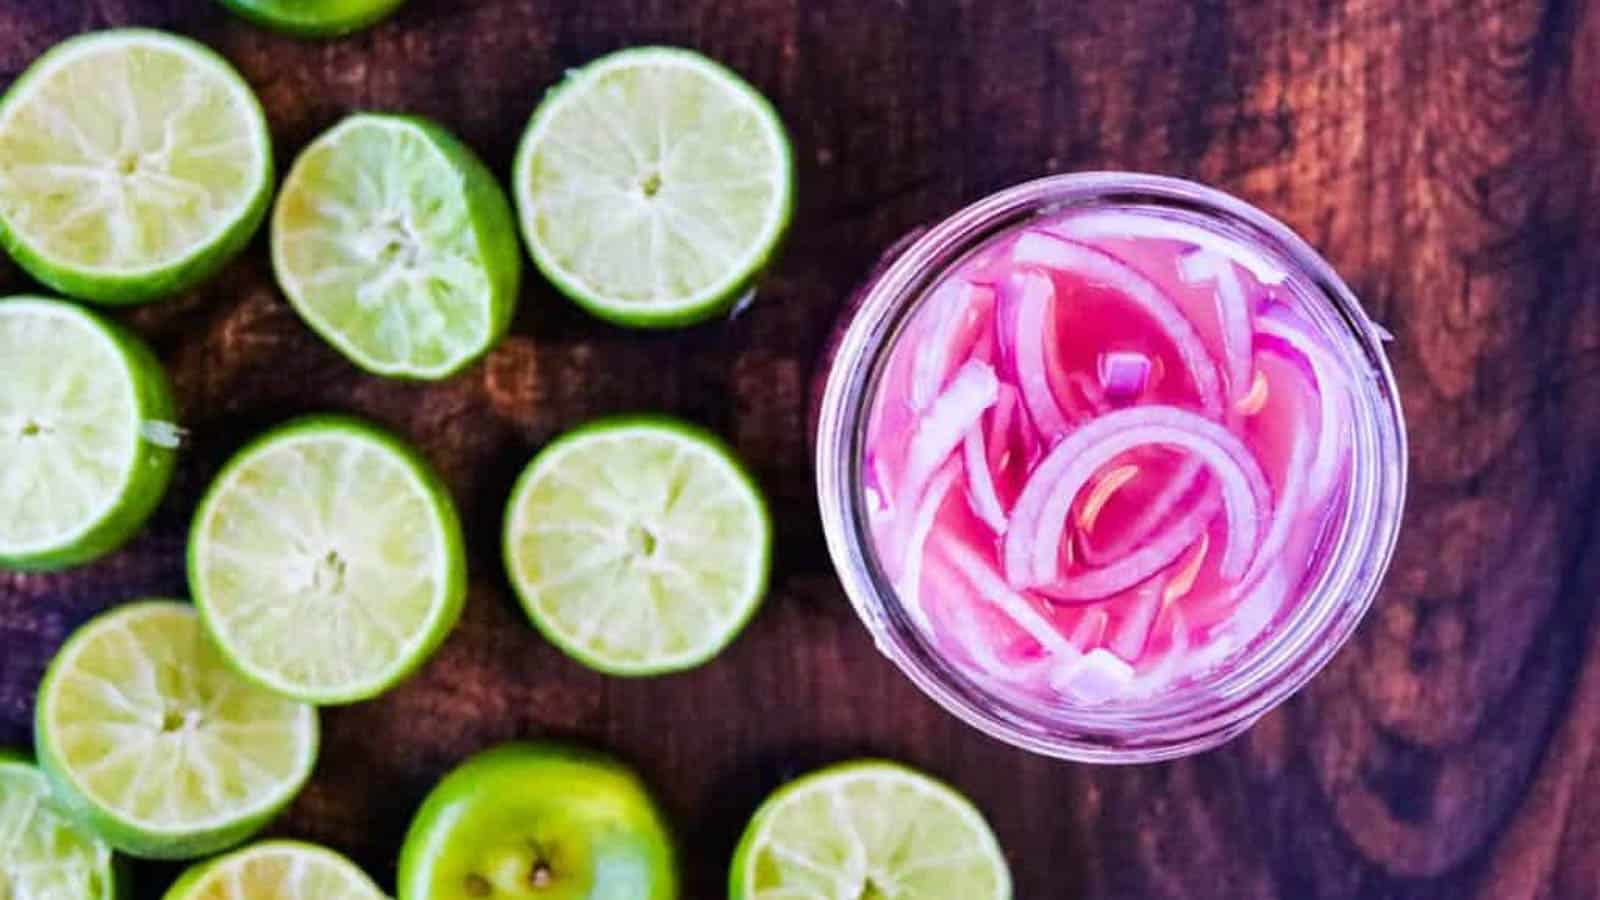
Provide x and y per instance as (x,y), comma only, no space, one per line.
(1110,464)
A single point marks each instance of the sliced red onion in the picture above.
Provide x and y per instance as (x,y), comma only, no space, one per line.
(909,583)
(952,305)
(1186,482)
(1039,517)
(1300,468)
(980,481)
(1033,306)
(1332,391)
(1089,631)
(1005,409)
(1124,374)
(1101,225)
(1233,312)
(1171,665)
(972,390)
(988,583)
(1045,249)
(1097,677)
(1133,632)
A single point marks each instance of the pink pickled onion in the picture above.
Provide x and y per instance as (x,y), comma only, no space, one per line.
(1096,677)
(1100,224)
(988,583)
(1133,632)
(1094,265)
(1331,388)
(909,582)
(973,390)
(1039,518)
(1005,409)
(1233,312)
(957,307)
(1124,374)
(980,481)
(1033,305)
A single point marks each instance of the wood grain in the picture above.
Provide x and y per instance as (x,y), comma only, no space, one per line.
(1442,154)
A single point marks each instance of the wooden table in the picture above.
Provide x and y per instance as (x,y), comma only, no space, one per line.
(1445,156)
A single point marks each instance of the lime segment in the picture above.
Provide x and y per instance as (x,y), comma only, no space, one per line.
(43,853)
(153,741)
(78,474)
(397,246)
(132,165)
(314,18)
(653,186)
(276,870)
(638,546)
(869,830)
(327,561)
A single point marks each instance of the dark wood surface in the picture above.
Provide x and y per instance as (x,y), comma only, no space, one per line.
(1443,155)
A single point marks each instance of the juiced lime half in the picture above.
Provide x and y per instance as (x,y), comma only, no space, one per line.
(868,830)
(638,545)
(276,870)
(150,739)
(539,822)
(327,561)
(133,164)
(396,245)
(44,854)
(314,18)
(654,185)
(86,437)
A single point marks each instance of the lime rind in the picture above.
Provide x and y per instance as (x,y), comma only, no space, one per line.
(732,475)
(871,849)
(738,277)
(296,871)
(128,832)
(600,816)
(230,230)
(92,871)
(315,20)
(449,551)
(310,230)
(146,467)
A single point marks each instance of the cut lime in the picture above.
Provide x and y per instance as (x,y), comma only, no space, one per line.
(133,164)
(43,852)
(275,870)
(868,830)
(150,738)
(327,561)
(397,246)
(639,546)
(314,18)
(85,416)
(539,822)
(654,185)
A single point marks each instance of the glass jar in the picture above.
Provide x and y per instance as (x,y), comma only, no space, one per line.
(1208,709)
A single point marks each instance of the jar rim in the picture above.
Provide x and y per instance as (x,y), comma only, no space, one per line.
(1172,723)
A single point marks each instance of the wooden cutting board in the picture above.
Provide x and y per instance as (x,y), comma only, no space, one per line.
(1442,153)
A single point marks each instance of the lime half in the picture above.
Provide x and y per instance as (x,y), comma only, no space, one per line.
(868,830)
(43,853)
(275,870)
(153,741)
(638,545)
(397,246)
(133,164)
(327,561)
(654,185)
(314,18)
(86,441)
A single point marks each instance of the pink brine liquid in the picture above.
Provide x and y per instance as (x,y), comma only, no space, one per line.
(1106,455)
